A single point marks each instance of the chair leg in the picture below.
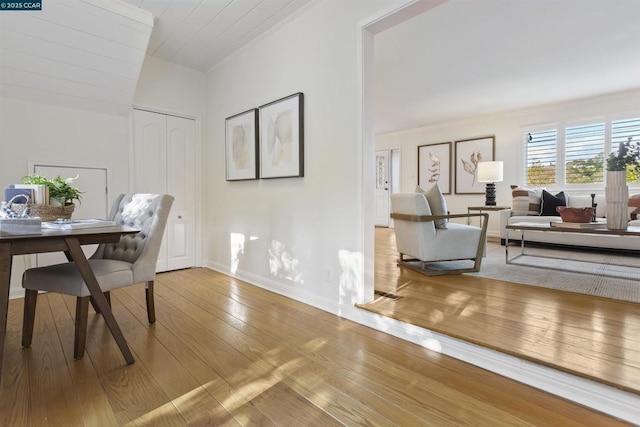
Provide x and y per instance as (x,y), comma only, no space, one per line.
(30,299)
(107,296)
(80,339)
(151,308)
(94,305)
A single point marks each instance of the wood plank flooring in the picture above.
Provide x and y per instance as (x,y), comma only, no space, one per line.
(226,353)
(597,338)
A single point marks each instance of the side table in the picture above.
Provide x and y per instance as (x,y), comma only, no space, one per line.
(480,209)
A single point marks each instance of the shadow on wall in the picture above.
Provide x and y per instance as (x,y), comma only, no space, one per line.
(283,263)
(350,277)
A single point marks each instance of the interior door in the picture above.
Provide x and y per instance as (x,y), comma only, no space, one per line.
(92,181)
(165,162)
(150,162)
(394,174)
(181,183)
(381,207)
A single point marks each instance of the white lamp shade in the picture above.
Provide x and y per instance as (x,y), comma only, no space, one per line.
(490,171)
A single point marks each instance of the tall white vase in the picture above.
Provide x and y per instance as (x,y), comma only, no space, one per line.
(617,196)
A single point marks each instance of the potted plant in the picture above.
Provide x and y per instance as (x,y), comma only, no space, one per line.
(60,189)
(619,164)
(61,192)
(626,159)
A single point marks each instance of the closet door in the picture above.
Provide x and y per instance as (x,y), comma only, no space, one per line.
(164,162)
(150,163)
(181,182)
(150,152)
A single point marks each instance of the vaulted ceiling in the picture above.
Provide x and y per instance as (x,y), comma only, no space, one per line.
(200,33)
(88,54)
(458,60)
(80,54)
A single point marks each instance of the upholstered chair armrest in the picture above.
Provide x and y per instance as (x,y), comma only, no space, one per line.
(426,218)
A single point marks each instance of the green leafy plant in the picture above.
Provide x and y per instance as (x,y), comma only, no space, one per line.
(628,155)
(60,189)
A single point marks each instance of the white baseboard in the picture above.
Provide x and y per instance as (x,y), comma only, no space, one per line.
(16,293)
(600,397)
(277,287)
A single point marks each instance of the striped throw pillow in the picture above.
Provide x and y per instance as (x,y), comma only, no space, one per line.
(525,201)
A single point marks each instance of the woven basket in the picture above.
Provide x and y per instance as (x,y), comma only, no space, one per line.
(51,213)
(45,212)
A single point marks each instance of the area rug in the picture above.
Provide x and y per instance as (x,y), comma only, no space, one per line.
(583,272)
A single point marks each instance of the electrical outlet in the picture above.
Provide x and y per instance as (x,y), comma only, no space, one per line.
(328,274)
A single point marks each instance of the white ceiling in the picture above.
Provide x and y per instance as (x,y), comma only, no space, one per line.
(461,59)
(200,33)
(84,54)
(468,58)
(88,54)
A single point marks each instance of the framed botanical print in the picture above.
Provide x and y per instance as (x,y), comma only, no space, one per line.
(434,166)
(470,152)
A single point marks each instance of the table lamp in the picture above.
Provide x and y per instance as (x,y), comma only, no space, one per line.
(490,172)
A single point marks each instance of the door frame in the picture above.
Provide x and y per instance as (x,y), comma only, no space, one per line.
(365,44)
(33,164)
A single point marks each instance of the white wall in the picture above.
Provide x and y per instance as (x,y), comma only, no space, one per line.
(507,129)
(168,87)
(30,131)
(300,234)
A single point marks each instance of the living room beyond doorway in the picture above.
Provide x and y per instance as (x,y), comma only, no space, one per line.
(588,336)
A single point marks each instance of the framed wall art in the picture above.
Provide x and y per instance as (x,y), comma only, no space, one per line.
(241,150)
(470,152)
(282,138)
(434,166)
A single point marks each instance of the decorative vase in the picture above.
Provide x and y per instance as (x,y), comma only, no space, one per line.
(617,196)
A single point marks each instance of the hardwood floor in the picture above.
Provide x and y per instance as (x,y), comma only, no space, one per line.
(226,353)
(597,338)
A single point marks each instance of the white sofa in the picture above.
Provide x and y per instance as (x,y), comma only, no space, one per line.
(571,239)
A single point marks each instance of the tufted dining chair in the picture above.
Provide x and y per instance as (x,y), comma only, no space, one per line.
(130,261)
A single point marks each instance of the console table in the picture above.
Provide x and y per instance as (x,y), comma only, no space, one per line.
(480,209)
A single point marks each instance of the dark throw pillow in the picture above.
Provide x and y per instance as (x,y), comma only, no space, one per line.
(549,203)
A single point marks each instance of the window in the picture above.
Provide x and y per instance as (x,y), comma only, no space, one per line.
(584,154)
(621,131)
(574,154)
(541,157)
